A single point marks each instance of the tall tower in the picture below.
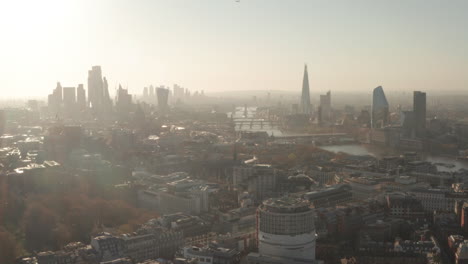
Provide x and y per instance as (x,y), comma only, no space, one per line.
(95,87)
(81,97)
(163,96)
(379,112)
(419,109)
(305,97)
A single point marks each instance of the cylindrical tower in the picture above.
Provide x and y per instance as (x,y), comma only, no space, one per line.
(285,228)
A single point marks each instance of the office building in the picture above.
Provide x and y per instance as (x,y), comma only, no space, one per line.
(379,118)
(98,91)
(163,96)
(325,107)
(258,179)
(80,97)
(285,228)
(55,99)
(419,109)
(123,102)
(69,98)
(305,97)
(95,87)
(178,93)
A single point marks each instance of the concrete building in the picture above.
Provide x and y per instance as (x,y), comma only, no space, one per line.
(212,255)
(330,196)
(461,256)
(285,228)
(437,199)
(258,179)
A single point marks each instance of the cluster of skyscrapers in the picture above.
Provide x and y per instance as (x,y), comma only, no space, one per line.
(413,122)
(70,101)
(162,95)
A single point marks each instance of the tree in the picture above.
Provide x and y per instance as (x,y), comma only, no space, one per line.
(9,249)
(39,223)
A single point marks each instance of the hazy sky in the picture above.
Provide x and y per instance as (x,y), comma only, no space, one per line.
(227,45)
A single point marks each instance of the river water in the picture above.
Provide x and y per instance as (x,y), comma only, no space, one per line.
(360,150)
(241,114)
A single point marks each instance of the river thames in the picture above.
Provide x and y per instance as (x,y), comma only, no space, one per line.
(249,113)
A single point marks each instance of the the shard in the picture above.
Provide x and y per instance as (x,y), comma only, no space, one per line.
(305,97)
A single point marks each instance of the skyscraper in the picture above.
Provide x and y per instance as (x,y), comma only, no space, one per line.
(80,97)
(123,101)
(325,107)
(95,87)
(55,99)
(98,92)
(106,101)
(163,96)
(305,97)
(69,97)
(379,112)
(419,109)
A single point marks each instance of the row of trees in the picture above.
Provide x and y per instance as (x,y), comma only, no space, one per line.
(38,221)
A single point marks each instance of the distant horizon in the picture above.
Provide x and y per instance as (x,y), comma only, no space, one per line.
(227,45)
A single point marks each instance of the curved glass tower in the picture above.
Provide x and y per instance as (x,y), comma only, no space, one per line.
(379,108)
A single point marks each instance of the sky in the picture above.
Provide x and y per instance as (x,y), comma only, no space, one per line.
(225,45)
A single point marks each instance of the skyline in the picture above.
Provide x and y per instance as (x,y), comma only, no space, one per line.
(229,45)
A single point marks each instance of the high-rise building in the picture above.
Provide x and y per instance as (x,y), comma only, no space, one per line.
(95,88)
(55,99)
(98,92)
(145,93)
(178,93)
(163,96)
(379,112)
(106,101)
(305,97)
(69,96)
(80,97)
(286,230)
(419,109)
(325,107)
(69,99)
(123,101)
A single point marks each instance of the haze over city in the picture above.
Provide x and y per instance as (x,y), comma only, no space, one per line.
(233,132)
(224,45)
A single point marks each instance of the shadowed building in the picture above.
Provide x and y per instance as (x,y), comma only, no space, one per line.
(379,113)
(163,96)
(325,107)
(419,109)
